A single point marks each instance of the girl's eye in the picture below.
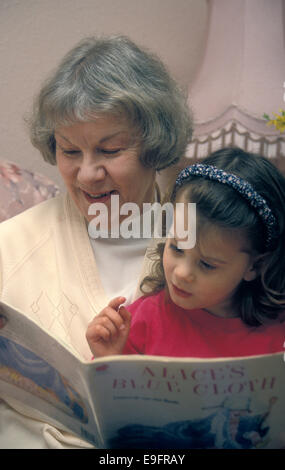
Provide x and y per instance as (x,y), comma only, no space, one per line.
(207,265)
(175,248)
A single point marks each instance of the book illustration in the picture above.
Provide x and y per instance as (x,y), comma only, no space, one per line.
(233,425)
(24,369)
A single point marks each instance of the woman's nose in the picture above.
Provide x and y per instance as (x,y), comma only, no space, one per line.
(91,171)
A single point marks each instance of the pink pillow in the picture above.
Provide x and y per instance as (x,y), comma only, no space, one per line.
(21,189)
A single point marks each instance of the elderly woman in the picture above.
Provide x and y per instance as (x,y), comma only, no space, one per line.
(109,117)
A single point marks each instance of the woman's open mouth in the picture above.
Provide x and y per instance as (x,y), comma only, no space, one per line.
(98,197)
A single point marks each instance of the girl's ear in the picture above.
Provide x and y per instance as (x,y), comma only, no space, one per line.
(255,267)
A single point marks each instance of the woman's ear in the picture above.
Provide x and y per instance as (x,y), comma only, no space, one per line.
(254,268)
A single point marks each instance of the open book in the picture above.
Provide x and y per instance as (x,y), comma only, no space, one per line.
(144,401)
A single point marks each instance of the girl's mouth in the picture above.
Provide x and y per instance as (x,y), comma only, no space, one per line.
(180,292)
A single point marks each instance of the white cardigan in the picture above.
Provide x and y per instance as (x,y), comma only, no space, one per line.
(48,271)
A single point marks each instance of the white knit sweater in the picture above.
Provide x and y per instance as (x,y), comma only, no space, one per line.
(48,271)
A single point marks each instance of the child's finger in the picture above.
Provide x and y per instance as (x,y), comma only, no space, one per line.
(116,302)
(111,321)
(115,317)
(101,328)
(126,317)
(100,332)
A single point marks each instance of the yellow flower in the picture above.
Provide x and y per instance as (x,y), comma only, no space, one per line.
(278,122)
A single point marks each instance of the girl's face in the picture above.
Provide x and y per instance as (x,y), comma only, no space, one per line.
(208,275)
(99,158)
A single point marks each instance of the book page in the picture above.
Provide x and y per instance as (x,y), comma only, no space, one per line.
(151,402)
(39,371)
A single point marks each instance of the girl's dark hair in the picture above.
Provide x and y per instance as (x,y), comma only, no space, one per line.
(264,297)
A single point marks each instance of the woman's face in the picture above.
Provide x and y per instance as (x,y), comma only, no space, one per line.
(100,158)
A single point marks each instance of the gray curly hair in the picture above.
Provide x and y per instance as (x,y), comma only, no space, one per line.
(114,76)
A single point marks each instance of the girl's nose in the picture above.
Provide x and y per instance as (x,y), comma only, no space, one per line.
(184,272)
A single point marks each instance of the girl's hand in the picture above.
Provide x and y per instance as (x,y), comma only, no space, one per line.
(108,332)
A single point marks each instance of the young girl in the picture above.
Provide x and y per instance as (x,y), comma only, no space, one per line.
(224,297)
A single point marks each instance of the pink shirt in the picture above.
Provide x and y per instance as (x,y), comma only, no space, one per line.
(161,328)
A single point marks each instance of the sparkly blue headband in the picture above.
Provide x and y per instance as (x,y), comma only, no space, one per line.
(244,188)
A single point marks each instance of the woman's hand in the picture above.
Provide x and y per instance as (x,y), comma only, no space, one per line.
(108,332)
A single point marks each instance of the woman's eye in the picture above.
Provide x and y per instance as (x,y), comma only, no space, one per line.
(110,151)
(70,153)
